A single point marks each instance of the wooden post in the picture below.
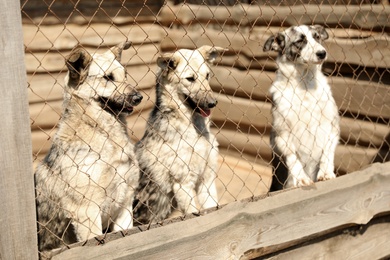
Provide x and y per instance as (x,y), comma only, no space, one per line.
(18,235)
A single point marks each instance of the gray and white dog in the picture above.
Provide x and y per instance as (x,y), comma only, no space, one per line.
(178,155)
(305,128)
(86,183)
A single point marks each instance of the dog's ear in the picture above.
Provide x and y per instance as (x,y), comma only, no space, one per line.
(321,31)
(117,50)
(168,61)
(78,63)
(211,53)
(275,43)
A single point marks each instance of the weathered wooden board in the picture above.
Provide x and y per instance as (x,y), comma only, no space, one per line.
(371,51)
(256,228)
(138,55)
(59,37)
(239,111)
(367,17)
(47,115)
(359,242)
(47,87)
(239,179)
(85,12)
(364,98)
(348,158)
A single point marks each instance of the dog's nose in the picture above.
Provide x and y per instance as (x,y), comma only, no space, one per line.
(212,104)
(136,98)
(321,55)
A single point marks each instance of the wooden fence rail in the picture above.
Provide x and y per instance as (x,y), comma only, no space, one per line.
(342,210)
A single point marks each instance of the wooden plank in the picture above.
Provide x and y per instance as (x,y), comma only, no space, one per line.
(87,12)
(47,115)
(18,224)
(348,158)
(250,84)
(49,86)
(240,111)
(368,17)
(259,227)
(252,144)
(364,98)
(372,51)
(51,62)
(363,133)
(362,242)
(60,37)
(240,179)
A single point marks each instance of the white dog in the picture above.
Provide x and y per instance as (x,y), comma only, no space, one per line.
(178,155)
(305,127)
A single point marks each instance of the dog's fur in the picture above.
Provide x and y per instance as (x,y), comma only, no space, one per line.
(86,183)
(178,154)
(305,127)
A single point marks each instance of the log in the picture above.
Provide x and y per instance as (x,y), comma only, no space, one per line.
(49,87)
(367,17)
(371,51)
(138,55)
(348,158)
(58,37)
(240,179)
(240,111)
(84,12)
(47,115)
(250,229)
(258,146)
(364,98)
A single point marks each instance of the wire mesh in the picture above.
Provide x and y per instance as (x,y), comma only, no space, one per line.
(356,69)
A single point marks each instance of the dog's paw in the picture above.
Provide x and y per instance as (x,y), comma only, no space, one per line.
(325,176)
(304,182)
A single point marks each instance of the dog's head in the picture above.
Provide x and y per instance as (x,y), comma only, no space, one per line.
(299,44)
(100,78)
(188,72)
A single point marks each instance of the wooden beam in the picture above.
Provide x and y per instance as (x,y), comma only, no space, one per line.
(259,227)
(370,51)
(18,224)
(368,17)
(59,37)
(368,241)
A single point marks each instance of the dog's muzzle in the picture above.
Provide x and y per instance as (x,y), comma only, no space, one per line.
(321,55)
(124,103)
(203,107)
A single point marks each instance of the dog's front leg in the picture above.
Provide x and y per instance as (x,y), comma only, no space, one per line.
(88,223)
(298,176)
(326,170)
(207,193)
(124,220)
(185,197)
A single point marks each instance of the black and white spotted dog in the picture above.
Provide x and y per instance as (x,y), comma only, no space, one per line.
(305,127)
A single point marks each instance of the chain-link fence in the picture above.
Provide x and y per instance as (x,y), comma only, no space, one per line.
(356,68)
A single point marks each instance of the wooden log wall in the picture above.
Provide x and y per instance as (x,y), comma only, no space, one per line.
(357,66)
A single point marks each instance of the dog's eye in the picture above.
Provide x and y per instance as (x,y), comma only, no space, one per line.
(109,77)
(316,36)
(191,79)
(208,76)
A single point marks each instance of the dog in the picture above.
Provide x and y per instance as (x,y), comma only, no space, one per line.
(178,155)
(305,128)
(86,183)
